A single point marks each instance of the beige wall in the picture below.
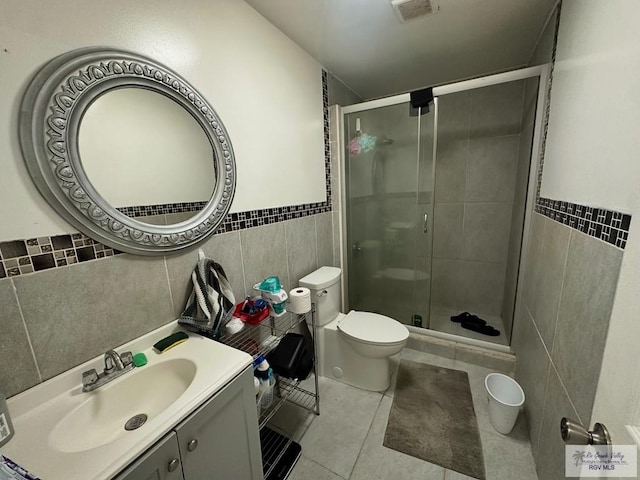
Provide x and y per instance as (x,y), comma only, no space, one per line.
(594,111)
(617,402)
(560,332)
(266,90)
(576,333)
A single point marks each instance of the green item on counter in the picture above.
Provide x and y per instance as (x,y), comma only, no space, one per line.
(171,341)
(139,359)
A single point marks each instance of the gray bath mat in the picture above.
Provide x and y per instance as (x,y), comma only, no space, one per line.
(432,418)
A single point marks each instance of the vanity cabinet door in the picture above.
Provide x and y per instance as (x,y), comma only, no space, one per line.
(161,462)
(221,440)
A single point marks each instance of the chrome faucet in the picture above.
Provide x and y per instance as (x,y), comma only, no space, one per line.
(112,361)
(114,366)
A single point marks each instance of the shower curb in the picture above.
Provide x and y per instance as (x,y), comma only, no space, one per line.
(499,361)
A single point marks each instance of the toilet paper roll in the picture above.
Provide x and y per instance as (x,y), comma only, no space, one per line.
(300,300)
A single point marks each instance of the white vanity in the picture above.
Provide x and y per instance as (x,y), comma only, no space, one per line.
(199,398)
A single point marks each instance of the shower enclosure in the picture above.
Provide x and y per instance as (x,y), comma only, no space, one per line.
(435,204)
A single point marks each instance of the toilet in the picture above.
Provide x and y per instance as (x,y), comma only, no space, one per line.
(355,348)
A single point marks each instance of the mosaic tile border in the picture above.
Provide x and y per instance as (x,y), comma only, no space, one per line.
(20,257)
(327,141)
(547,107)
(256,218)
(161,209)
(607,225)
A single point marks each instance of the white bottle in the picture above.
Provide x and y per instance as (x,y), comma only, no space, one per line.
(266,390)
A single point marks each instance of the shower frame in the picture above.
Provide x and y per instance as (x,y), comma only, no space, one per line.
(542,73)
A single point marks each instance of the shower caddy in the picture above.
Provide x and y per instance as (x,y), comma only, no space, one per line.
(258,340)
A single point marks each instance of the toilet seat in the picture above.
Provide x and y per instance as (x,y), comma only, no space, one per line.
(373,328)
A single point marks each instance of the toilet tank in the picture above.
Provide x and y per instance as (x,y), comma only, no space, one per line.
(325,279)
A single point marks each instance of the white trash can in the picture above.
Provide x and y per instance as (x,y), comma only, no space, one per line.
(505,399)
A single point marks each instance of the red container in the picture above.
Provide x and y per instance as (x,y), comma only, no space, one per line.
(254,319)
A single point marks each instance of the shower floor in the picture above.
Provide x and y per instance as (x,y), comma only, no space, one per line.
(441,322)
(440,318)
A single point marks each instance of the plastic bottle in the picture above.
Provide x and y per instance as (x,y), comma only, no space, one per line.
(263,372)
(261,368)
(266,389)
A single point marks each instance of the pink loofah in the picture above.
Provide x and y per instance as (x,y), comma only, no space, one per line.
(354,146)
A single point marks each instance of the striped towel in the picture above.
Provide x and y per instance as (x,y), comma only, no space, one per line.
(211,298)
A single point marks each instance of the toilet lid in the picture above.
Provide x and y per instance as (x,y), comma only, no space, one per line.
(373,328)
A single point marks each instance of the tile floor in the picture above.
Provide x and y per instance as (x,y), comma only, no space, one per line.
(345,441)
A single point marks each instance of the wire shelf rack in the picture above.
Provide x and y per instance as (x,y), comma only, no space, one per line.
(260,339)
(275,448)
(288,390)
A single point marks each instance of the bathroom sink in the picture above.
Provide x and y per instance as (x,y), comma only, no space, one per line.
(101,419)
(63,433)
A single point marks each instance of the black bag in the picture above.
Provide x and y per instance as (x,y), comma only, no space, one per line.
(291,358)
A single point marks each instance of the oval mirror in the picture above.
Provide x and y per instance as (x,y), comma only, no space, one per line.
(146,173)
(127,151)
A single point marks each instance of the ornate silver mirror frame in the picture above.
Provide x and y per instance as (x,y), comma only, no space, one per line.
(50,115)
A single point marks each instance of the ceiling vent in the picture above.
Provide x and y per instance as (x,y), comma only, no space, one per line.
(407,10)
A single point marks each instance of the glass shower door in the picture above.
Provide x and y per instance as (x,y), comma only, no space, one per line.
(389,185)
(485,137)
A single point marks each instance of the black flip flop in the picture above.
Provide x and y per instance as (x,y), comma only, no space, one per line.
(483,329)
(469,318)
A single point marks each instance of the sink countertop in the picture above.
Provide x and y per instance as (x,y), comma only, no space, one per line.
(36,412)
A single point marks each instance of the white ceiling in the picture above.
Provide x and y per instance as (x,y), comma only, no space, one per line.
(364,44)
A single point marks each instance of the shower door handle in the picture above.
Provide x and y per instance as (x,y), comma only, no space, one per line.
(425,226)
